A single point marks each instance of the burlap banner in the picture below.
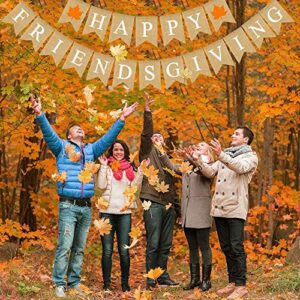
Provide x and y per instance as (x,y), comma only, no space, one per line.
(189,66)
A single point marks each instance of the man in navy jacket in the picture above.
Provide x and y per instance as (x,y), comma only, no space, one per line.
(75,204)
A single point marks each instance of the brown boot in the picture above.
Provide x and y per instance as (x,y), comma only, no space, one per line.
(238,293)
(226,290)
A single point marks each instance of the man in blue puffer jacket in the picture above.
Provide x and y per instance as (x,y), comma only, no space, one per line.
(75,204)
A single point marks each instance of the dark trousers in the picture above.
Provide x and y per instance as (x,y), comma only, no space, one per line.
(159,223)
(121,224)
(199,238)
(231,237)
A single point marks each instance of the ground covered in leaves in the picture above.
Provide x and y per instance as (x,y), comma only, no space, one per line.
(29,277)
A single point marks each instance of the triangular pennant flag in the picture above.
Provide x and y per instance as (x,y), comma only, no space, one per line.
(274,14)
(146,30)
(20,17)
(172,70)
(124,72)
(74,12)
(218,13)
(149,73)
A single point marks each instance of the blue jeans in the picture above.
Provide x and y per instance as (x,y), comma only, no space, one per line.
(159,223)
(121,225)
(73,227)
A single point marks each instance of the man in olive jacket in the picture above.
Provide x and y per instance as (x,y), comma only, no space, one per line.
(159,218)
(235,168)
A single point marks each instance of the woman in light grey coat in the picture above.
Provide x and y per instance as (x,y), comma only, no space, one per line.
(196,220)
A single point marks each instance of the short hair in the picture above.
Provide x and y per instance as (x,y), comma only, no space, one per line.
(69,128)
(247,132)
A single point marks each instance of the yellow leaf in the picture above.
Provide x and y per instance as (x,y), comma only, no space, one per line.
(130,191)
(87,92)
(135,233)
(115,114)
(185,73)
(153,180)
(168,205)
(103,226)
(119,52)
(162,187)
(102,204)
(185,167)
(154,273)
(92,167)
(149,171)
(59,177)
(146,204)
(160,148)
(74,156)
(85,176)
(115,165)
(133,243)
(172,172)
(133,156)
(139,295)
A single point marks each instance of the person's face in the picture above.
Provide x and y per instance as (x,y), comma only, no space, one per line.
(157,138)
(202,148)
(118,151)
(238,139)
(75,132)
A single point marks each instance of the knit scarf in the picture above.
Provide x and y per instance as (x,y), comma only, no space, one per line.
(238,150)
(124,165)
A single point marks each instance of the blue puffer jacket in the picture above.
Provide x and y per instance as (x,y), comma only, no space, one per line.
(72,187)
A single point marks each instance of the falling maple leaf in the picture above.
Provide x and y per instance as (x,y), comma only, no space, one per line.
(74,156)
(85,176)
(135,233)
(103,225)
(283,227)
(154,273)
(133,156)
(75,12)
(139,295)
(119,52)
(69,148)
(92,167)
(146,204)
(115,114)
(160,148)
(115,165)
(149,171)
(162,187)
(168,205)
(185,167)
(153,180)
(133,243)
(87,92)
(287,217)
(218,12)
(59,177)
(102,204)
(128,203)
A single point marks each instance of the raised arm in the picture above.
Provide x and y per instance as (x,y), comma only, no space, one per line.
(53,141)
(146,143)
(167,162)
(241,166)
(101,145)
(102,173)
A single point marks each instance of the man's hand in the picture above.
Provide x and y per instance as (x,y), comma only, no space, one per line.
(148,102)
(127,111)
(36,105)
(216,146)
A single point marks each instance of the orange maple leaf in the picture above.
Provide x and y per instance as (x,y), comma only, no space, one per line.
(75,12)
(115,165)
(218,12)
(85,176)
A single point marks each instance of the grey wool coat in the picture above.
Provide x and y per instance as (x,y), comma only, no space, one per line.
(196,197)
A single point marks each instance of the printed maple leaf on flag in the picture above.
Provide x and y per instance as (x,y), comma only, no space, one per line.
(103,225)
(75,12)
(102,204)
(218,12)
(85,176)
(154,273)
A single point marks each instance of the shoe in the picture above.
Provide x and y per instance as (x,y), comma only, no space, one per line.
(238,293)
(125,287)
(195,277)
(150,285)
(226,290)
(60,291)
(206,272)
(167,282)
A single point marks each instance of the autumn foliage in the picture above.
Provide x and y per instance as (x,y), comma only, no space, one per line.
(211,106)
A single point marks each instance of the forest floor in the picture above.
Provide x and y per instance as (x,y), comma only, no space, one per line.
(29,277)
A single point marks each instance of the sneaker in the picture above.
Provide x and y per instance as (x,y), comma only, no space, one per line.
(226,290)
(238,293)
(60,291)
(107,288)
(167,282)
(150,285)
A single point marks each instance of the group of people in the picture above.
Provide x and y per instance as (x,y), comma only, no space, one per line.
(233,167)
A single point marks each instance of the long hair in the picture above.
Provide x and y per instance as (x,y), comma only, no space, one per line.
(126,151)
(209,152)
